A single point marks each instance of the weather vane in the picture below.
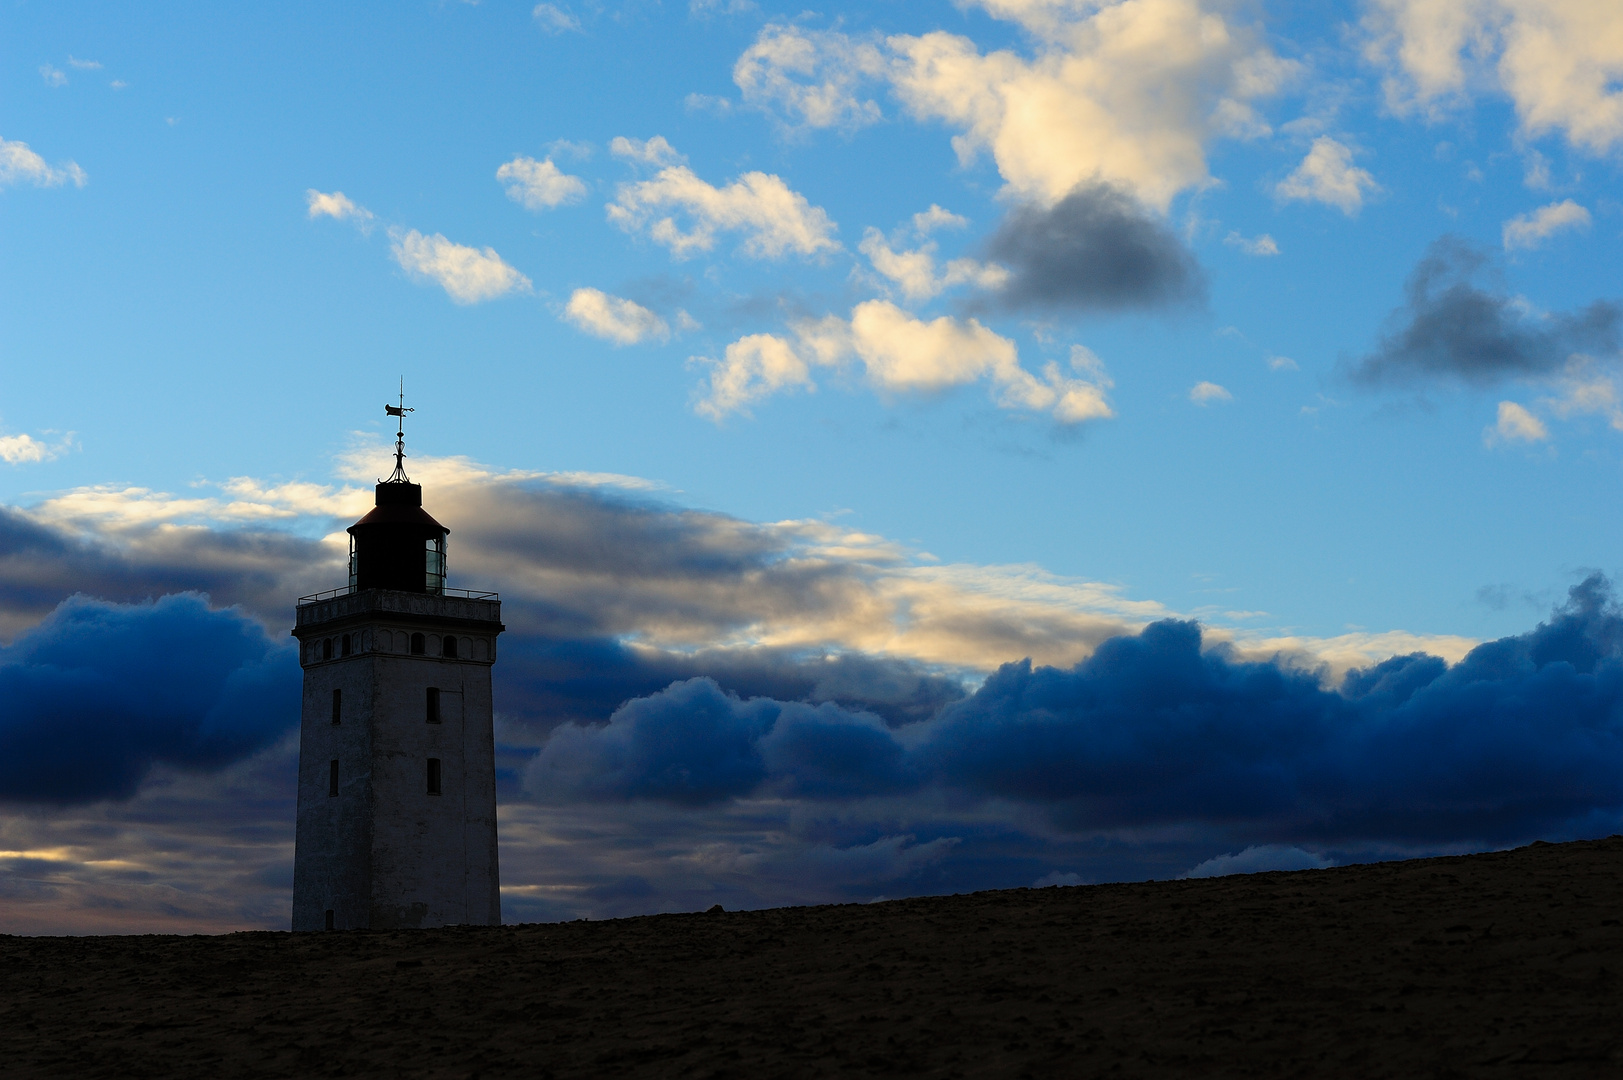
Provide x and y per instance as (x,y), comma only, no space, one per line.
(399,475)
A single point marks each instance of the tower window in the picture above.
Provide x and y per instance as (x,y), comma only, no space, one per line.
(433,705)
(434,564)
(326,649)
(332,777)
(419,645)
(329,919)
(337,706)
(450,647)
(433,776)
(343,647)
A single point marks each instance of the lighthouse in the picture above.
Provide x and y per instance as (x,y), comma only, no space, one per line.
(397,769)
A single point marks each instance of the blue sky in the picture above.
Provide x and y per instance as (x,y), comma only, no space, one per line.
(1028,322)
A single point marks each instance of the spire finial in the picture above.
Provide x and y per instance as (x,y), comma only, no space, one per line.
(399,475)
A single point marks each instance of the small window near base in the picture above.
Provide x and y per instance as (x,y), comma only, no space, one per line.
(433,776)
(326,649)
(337,706)
(343,645)
(433,704)
(450,648)
(332,777)
(329,919)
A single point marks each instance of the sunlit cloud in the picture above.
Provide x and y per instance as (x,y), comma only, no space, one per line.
(467,274)
(774,219)
(539,185)
(613,318)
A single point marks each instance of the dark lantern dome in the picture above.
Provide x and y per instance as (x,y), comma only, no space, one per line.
(397,545)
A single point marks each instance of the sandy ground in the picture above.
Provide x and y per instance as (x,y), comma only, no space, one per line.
(1487,965)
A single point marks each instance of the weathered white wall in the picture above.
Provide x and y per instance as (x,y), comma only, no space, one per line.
(384,852)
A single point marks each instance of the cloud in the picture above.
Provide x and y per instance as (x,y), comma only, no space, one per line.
(1282,363)
(539,185)
(773,218)
(1204,393)
(754,367)
(1531,230)
(1328,175)
(338,206)
(1125,94)
(98,693)
(1095,249)
(1261,859)
(83,65)
(811,77)
(655,151)
(624,322)
(1259,245)
(914,271)
(1152,731)
(1558,60)
(53,76)
(1450,327)
(554,19)
(18,163)
(928,221)
(611,595)
(902,354)
(467,274)
(1515,424)
(26,450)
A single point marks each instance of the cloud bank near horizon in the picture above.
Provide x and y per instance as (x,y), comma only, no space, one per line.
(696,707)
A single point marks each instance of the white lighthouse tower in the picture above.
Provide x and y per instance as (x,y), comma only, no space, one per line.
(397,770)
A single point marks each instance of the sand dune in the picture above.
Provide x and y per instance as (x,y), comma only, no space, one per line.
(1504,964)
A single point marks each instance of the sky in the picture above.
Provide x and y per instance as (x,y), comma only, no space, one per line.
(970,445)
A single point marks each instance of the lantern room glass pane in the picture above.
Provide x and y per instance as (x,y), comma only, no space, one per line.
(434,562)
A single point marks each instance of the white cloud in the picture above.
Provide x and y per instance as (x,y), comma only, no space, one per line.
(1127,92)
(26,450)
(1515,424)
(1252,245)
(1328,175)
(83,65)
(928,221)
(810,76)
(902,354)
(467,274)
(752,368)
(624,322)
(773,218)
(656,151)
(1282,363)
(18,163)
(53,76)
(539,185)
(703,9)
(914,271)
(1586,390)
(1204,393)
(337,205)
(1530,230)
(1560,61)
(554,19)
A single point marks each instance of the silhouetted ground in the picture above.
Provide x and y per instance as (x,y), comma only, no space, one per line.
(1487,965)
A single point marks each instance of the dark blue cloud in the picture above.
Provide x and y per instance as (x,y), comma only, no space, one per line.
(1451,327)
(545,681)
(1522,737)
(693,743)
(99,692)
